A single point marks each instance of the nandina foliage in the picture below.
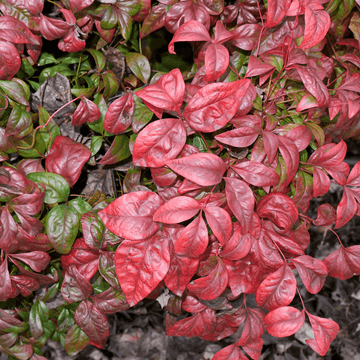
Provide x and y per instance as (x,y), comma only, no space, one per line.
(236,149)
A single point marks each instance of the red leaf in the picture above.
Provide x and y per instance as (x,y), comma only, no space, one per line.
(325,331)
(203,169)
(24,284)
(246,36)
(241,137)
(278,289)
(78,5)
(53,29)
(279,208)
(346,209)
(194,239)
(329,155)
(313,272)
(67,158)
(159,142)
(140,266)
(71,42)
(37,260)
(230,352)
(119,115)
(196,325)
(321,182)
(192,304)
(221,35)
(216,61)
(271,145)
(75,286)
(167,93)
(325,215)
(9,235)
(354,176)
(317,24)
(190,31)
(276,11)
(212,286)
(256,173)
(28,204)
(10,60)
(87,111)
(284,321)
(110,301)
(213,106)
(344,263)
(290,154)
(253,328)
(7,290)
(131,215)
(301,136)
(238,246)
(254,349)
(177,210)
(154,20)
(220,223)
(241,201)
(257,67)
(314,85)
(15,31)
(92,322)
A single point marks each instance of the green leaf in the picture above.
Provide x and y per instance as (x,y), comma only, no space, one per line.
(141,115)
(51,71)
(35,151)
(27,67)
(87,92)
(56,187)
(46,59)
(62,225)
(35,323)
(98,125)
(96,142)
(75,340)
(14,91)
(80,205)
(98,57)
(109,18)
(73,58)
(111,85)
(119,150)
(25,86)
(139,65)
(51,293)
(19,120)
(51,131)
(124,20)
(34,85)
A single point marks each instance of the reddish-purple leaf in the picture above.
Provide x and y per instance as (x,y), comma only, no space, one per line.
(131,215)
(313,272)
(276,11)
(241,201)
(325,331)
(212,286)
(110,301)
(241,137)
(196,325)
(119,115)
(216,61)
(75,286)
(87,111)
(159,142)
(203,169)
(213,106)
(279,208)
(256,173)
(193,239)
(190,31)
(284,321)
(24,284)
(67,158)
(325,215)
(278,289)
(10,60)
(317,24)
(344,263)
(93,322)
(166,94)
(140,266)
(37,260)
(177,210)
(246,36)
(220,223)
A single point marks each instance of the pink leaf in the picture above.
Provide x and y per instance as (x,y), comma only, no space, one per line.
(256,173)
(344,263)
(190,31)
(317,24)
(278,289)
(313,272)
(67,158)
(131,215)
(92,322)
(216,61)
(159,142)
(276,11)
(177,210)
(284,321)
(119,115)
(203,169)
(241,201)
(213,106)
(325,331)
(140,266)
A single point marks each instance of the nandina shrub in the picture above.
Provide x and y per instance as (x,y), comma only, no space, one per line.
(226,158)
